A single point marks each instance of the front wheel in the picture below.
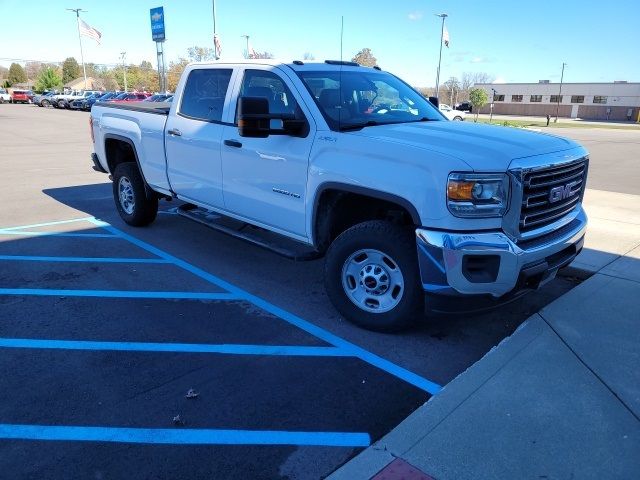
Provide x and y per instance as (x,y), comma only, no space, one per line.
(457,118)
(135,205)
(372,276)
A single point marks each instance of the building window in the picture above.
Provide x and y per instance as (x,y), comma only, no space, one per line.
(599,99)
(516,98)
(536,98)
(577,98)
(498,98)
(556,98)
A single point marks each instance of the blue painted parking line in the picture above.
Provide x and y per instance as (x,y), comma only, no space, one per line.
(356,351)
(48,224)
(228,349)
(184,437)
(55,234)
(30,258)
(119,294)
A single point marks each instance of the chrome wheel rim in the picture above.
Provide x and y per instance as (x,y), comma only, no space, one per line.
(373,281)
(125,194)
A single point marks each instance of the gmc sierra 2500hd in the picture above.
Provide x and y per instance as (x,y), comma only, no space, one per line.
(349,162)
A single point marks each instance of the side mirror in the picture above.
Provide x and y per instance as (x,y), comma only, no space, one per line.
(253,117)
(435,101)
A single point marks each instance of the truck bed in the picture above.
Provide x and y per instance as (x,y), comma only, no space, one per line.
(157,108)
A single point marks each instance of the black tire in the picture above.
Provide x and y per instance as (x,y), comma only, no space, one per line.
(61,104)
(457,118)
(1,100)
(396,242)
(143,207)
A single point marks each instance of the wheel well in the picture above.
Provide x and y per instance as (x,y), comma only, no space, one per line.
(338,210)
(118,151)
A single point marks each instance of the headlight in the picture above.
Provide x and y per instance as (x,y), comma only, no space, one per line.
(477,194)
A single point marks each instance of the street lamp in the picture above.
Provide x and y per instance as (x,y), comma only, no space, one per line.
(124,69)
(559,93)
(442,16)
(247,37)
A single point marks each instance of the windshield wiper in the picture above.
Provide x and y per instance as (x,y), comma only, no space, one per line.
(358,126)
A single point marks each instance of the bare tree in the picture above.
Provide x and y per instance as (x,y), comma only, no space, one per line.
(469,79)
(308,56)
(365,57)
(453,87)
(200,54)
(262,55)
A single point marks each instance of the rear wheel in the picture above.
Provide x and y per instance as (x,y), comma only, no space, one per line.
(372,276)
(457,118)
(1,100)
(61,104)
(135,205)
(45,103)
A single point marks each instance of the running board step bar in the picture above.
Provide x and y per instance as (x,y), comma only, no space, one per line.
(258,236)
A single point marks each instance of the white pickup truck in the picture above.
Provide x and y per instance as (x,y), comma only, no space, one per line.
(350,163)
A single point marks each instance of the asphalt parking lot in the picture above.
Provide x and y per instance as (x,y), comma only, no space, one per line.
(105,328)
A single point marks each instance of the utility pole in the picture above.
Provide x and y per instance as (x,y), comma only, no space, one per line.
(124,69)
(77,12)
(559,93)
(443,16)
(247,37)
(215,39)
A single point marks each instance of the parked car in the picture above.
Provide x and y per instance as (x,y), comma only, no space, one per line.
(398,201)
(30,95)
(464,107)
(450,113)
(130,97)
(64,100)
(43,99)
(158,97)
(87,103)
(4,96)
(20,96)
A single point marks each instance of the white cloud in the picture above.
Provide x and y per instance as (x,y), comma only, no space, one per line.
(414,16)
(478,60)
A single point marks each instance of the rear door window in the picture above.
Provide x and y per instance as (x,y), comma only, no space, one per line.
(204,94)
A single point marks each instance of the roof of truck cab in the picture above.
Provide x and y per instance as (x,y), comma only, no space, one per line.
(301,66)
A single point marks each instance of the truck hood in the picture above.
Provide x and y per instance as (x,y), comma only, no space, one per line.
(482,147)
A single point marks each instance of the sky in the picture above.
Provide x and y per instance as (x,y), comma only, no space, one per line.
(512,41)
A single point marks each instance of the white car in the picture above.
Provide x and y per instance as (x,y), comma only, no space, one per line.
(4,96)
(348,162)
(452,114)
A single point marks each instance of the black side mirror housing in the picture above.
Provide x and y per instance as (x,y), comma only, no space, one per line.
(435,101)
(253,117)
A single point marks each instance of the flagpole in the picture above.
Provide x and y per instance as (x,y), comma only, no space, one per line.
(443,16)
(215,49)
(247,37)
(84,69)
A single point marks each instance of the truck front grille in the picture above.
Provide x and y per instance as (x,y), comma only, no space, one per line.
(538,209)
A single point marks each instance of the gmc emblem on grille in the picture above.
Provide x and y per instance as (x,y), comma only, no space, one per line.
(563,191)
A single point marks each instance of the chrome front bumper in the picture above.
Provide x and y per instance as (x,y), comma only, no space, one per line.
(491,263)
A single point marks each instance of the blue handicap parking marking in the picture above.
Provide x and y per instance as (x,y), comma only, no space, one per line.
(337,346)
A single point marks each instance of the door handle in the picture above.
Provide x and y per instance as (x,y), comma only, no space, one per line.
(175,132)
(233,143)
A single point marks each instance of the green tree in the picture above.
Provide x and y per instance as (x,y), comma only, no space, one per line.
(478,99)
(16,74)
(70,70)
(365,58)
(48,79)
(146,65)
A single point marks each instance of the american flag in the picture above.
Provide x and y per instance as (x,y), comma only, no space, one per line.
(445,36)
(217,46)
(88,31)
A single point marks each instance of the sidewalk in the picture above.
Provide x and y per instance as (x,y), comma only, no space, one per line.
(542,118)
(558,399)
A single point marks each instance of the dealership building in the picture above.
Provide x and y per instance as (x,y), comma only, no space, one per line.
(595,101)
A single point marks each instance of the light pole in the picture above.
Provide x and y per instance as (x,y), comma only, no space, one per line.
(442,16)
(559,93)
(124,69)
(84,70)
(215,35)
(247,37)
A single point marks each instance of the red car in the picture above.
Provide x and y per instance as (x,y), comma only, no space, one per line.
(20,96)
(130,97)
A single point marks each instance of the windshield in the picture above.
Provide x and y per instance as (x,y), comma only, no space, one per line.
(352,99)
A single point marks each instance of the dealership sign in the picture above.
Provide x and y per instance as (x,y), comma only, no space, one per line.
(157,24)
